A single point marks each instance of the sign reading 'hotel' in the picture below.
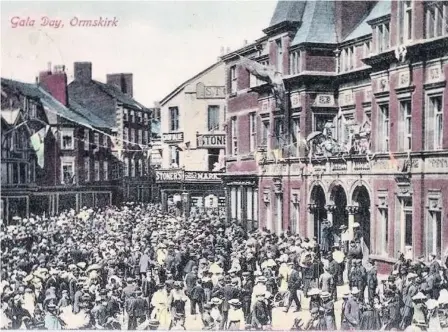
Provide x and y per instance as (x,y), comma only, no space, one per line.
(211,141)
(173,137)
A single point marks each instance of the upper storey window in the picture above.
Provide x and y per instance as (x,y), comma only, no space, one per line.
(382,37)
(436,15)
(405,20)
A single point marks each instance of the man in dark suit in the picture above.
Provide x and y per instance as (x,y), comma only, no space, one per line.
(294,284)
(229,292)
(333,269)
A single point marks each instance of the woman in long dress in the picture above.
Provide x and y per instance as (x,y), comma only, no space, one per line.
(177,300)
(215,312)
(161,308)
(235,318)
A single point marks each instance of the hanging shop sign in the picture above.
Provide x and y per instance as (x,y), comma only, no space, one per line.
(187,176)
(211,141)
(173,137)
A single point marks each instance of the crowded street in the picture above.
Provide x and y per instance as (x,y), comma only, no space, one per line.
(135,268)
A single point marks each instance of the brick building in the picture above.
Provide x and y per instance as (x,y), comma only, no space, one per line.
(50,175)
(192,145)
(362,139)
(113,102)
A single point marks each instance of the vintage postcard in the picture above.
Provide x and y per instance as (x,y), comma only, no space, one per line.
(224,165)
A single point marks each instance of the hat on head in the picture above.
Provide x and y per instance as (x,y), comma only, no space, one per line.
(262,279)
(314,291)
(412,276)
(153,323)
(216,301)
(343,227)
(234,302)
(419,296)
(324,295)
(355,290)
(345,295)
(356,224)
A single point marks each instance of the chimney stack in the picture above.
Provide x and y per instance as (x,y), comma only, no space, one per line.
(124,82)
(83,72)
(55,83)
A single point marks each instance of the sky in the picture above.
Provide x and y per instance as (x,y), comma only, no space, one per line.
(163,43)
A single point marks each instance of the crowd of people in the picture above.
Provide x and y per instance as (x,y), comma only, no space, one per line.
(134,267)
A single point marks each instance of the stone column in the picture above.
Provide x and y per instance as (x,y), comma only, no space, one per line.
(352,210)
(331,208)
(311,220)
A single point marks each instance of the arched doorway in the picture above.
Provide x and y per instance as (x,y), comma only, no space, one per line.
(361,198)
(339,212)
(317,208)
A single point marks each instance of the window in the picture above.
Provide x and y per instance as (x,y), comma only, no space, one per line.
(279,56)
(213,118)
(174,156)
(405,126)
(139,136)
(435,232)
(125,115)
(434,123)
(132,139)
(366,49)
(126,167)
(140,167)
(146,167)
(86,139)
(383,239)
(132,116)
(264,133)
(252,80)
(174,118)
(106,170)
(145,118)
(234,132)
(32,111)
(383,128)
(294,63)
(67,140)
(68,172)
(144,137)
(138,116)
(406,205)
(404,20)
(252,131)
(115,171)
(382,41)
(278,132)
(96,170)
(86,169)
(133,167)
(294,137)
(96,141)
(233,79)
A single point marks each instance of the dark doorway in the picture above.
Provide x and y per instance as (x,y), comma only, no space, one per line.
(213,158)
(362,198)
(319,201)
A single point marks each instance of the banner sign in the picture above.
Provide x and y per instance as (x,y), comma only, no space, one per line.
(211,141)
(210,92)
(187,176)
(173,137)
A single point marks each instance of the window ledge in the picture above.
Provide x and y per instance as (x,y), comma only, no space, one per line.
(233,158)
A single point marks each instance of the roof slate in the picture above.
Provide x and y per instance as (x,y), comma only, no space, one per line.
(74,112)
(318,25)
(114,92)
(288,11)
(381,8)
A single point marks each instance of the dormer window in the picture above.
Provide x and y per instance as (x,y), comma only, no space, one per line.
(382,37)
(67,142)
(279,55)
(436,18)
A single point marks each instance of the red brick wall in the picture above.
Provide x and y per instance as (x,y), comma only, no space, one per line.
(418,114)
(56,85)
(320,63)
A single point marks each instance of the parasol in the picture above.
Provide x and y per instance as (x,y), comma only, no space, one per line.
(313,135)
(269,263)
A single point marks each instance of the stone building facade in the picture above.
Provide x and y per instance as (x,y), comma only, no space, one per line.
(362,138)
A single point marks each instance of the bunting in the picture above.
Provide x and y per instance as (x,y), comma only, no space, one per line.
(37,142)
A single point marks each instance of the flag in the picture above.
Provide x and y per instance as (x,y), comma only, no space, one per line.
(393,162)
(37,142)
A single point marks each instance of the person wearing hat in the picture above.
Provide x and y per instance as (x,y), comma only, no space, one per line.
(247,286)
(327,306)
(326,236)
(235,320)
(153,324)
(215,312)
(314,323)
(326,282)
(370,319)
(345,326)
(160,304)
(260,315)
(197,297)
(294,284)
(408,303)
(372,282)
(207,320)
(314,295)
(178,300)
(352,312)
(419,307)
(52,321)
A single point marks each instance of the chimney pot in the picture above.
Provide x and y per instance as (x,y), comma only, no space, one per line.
(37,79)
(49,66)
(245,42)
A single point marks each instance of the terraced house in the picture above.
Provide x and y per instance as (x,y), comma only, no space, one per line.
(362,138)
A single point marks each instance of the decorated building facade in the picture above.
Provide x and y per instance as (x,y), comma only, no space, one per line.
(359,136)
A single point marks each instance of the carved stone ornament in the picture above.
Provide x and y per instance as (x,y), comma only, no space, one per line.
(353,209)
(312,208)
(266,197)
(382,202)
(295,198)
(331,208)
(277,185)
(434,204)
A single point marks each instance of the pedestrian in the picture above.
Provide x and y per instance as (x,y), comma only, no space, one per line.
(352,312)
(327,307)
(236,320)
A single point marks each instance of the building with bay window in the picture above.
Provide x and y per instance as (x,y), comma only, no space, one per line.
(362,138)
(192,142)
